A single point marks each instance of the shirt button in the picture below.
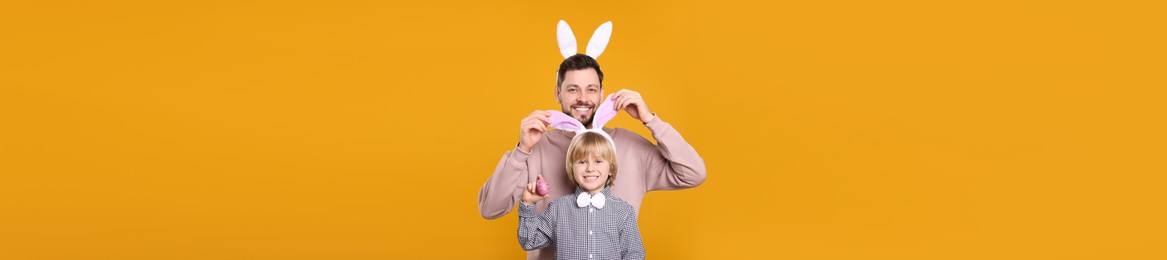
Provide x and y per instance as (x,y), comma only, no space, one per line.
(589,232)
(590,210)
(589,255)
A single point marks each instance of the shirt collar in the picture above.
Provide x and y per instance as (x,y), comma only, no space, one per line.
(607,191)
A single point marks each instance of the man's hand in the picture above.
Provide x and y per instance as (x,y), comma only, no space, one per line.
(532,127)
(529,196)
(633,103)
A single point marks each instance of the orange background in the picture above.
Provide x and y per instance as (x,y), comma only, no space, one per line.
(363,130)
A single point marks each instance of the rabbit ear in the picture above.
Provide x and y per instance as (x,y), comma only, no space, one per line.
(605,112)
(599,40)
(559,120)
(566,38)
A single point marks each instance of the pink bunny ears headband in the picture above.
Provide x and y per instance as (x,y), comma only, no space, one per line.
(604,113)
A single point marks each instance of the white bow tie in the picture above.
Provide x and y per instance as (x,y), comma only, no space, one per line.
(584,199)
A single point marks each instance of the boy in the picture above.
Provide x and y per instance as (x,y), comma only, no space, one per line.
(587,224)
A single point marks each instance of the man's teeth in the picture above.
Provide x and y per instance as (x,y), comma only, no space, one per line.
(583,108)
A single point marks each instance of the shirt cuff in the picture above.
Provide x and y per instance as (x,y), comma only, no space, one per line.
(521,150)
(654,119)
(655,124)
(526,210)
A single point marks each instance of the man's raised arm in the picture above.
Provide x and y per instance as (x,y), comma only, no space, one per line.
(505,186)
(674,164)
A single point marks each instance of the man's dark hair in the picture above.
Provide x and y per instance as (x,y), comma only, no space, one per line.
(578,62)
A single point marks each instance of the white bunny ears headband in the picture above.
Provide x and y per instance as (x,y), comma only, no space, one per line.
(606,111)
(596,45)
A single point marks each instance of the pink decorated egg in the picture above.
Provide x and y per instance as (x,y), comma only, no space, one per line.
(541,188)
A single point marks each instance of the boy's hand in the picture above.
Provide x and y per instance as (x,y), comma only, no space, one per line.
(529,195)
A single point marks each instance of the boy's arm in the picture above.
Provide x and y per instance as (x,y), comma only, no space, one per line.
(505,186)
(673,163)
(632,247)
(536,231)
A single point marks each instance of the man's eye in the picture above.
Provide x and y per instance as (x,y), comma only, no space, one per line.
(571,90)
(592,90)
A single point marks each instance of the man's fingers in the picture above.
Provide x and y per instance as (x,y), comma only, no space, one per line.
(624,92)
(529,124)
(541,116)
(537,121)
(535,125)
(624,97)
(630,100)
(616,99)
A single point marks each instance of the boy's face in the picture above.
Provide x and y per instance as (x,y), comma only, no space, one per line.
(591,173)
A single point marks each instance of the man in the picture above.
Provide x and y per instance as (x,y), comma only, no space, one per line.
(673,164)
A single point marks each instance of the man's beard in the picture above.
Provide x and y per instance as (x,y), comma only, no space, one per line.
(587,123)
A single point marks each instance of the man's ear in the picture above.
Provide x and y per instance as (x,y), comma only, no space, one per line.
(557,100)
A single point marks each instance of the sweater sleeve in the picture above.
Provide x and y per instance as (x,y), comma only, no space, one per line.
(673,164)
(536,231)
(504,188)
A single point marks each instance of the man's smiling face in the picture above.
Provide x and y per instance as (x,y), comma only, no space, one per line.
(580,94)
